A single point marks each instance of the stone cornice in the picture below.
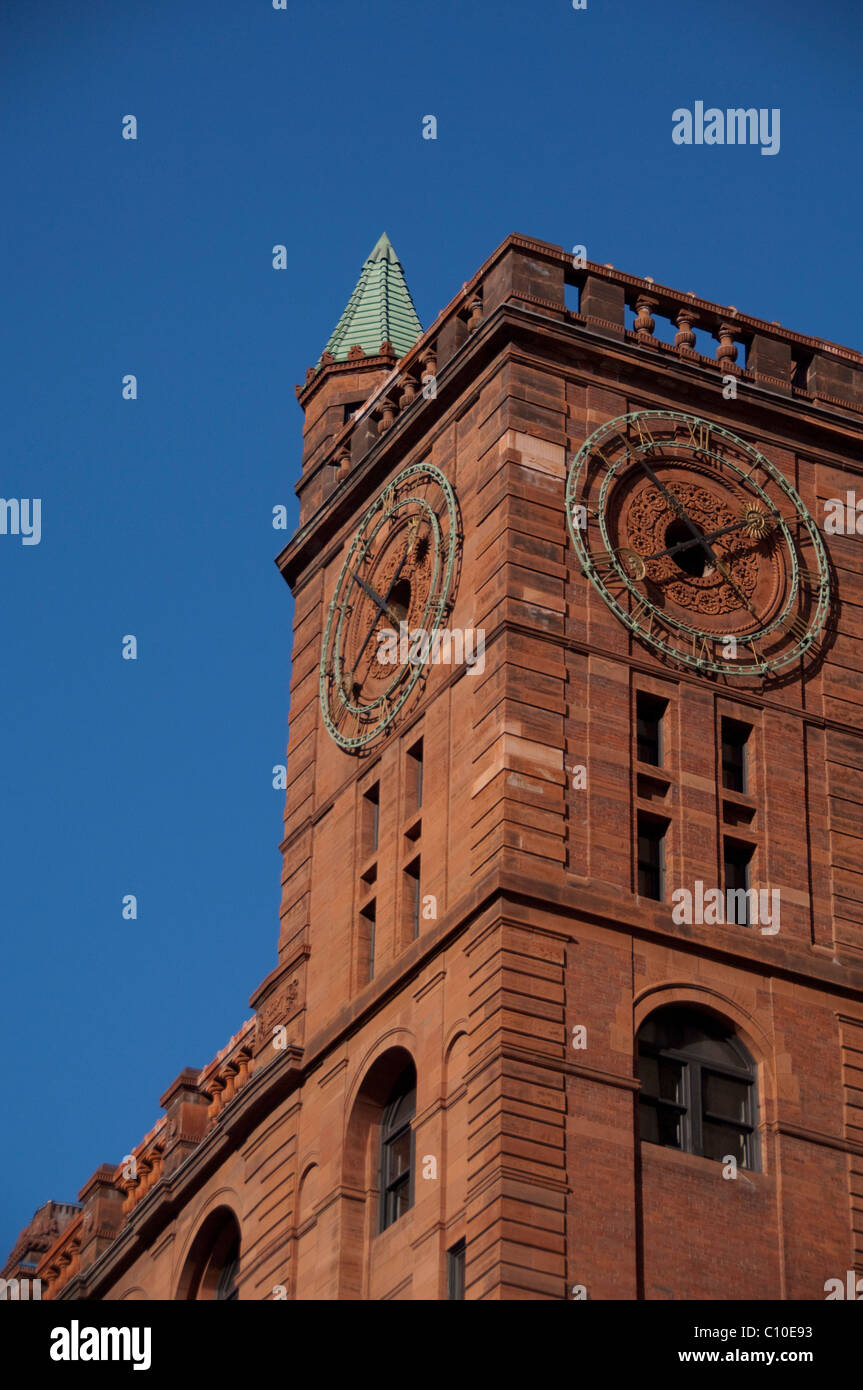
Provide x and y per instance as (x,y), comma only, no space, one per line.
(305,553)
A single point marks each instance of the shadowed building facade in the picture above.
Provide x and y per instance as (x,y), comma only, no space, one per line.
(569,990)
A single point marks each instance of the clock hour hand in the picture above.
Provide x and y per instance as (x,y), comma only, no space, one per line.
(376,598)
(385,609)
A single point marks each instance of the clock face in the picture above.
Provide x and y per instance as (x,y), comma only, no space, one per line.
(397,579)
(698,544)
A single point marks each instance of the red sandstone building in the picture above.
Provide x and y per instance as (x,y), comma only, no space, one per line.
(516,1044)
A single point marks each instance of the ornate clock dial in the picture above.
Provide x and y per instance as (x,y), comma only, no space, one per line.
(397,577)
(698,544)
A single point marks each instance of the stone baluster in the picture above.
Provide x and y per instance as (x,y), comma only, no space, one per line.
(408,390)
(473,307)
(244,1062)
(145,1169)
(684,338)
(130,1186)
(644,321)
(726,352)
(215,1086)
(388,411)
(230,1075)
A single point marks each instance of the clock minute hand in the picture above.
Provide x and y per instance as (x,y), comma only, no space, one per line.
(382,605)
(372,593)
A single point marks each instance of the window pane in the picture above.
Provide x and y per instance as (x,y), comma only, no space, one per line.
(401,1112)
(661,1077)
(455,1271)
(401,1198)
(400,1155)
(660,1124)
(723,1095)
(648,1122)
(670,1125)
(670,1080)
(722,1140)
(648,1073)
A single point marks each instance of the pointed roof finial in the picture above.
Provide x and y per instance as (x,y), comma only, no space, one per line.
(379,310)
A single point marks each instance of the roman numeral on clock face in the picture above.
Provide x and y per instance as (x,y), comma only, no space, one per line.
(808,576)
(641,611)
(607,570)
(699,436)
(645,438)
(702,649)
(795,627)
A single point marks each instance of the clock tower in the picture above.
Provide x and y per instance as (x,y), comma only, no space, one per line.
(569,991)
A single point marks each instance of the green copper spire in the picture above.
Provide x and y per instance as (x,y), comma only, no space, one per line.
(379,310)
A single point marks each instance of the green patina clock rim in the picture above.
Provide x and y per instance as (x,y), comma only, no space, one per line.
(617,426)
(436,603)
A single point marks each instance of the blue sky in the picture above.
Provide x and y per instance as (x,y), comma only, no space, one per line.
(153,257)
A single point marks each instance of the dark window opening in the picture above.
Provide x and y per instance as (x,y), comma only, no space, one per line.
(737,861)
(649,712)
(697,1087)
(735,777)
(455,1271)
(412,897)
(371,820)
(367,939)
(651,857)
(415,776)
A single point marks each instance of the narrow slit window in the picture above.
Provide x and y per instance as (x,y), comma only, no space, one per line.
(735,772)
(651,857)
(371,820)
(414,770)
(455,1271)
(737,864)
(649,714)
(412,898)
(367,940)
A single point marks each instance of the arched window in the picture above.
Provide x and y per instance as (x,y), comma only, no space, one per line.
(697,1086)
(213,1263)
(397,1150)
